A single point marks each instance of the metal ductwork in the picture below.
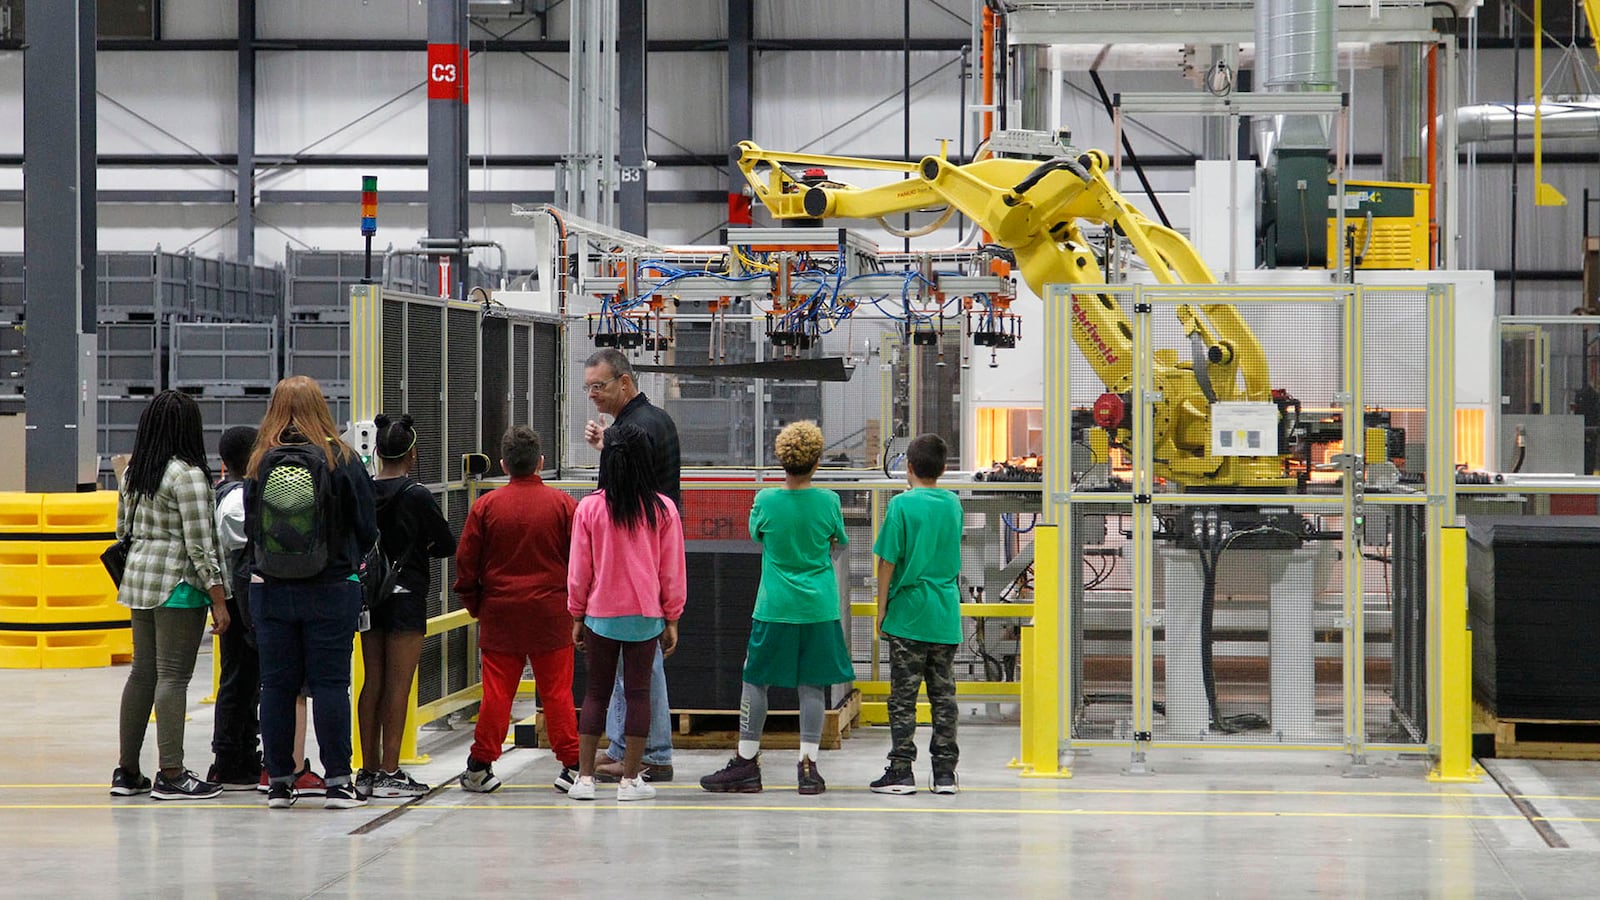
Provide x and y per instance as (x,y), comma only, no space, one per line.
(1298,52)
(1295,53)
(1560,118)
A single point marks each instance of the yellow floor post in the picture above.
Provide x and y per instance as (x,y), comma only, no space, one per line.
(216,669)
(1042,687)
(358,677)
(1029,698)
(408,740)
(1455,763)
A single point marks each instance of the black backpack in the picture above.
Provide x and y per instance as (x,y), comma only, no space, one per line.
(380,575)
(290,509)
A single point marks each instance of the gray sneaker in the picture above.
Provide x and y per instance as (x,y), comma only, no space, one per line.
(362,779)
(389,785)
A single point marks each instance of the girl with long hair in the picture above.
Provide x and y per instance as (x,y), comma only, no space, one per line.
(173,576)
(305,627)
(413,532)
(625,591)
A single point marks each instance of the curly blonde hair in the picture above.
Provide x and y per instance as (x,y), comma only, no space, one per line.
(799,447)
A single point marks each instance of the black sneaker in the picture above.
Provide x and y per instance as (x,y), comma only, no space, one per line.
(342,796)
(126,784)
(479,778)
(809,779)
(389,785)
(187,786)
(944,782)
(279,796)
(895,780)
(235,777)
(739,776)
(567,778)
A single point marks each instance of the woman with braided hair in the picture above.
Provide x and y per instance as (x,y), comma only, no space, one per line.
(413,531)
(173,576)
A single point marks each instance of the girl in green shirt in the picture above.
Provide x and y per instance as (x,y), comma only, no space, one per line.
(795,638)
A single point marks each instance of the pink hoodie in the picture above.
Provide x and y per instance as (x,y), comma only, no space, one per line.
(612,572)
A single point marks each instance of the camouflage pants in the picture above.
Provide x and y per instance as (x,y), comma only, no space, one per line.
(910,664)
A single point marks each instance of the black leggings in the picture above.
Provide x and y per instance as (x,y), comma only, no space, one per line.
(637,659)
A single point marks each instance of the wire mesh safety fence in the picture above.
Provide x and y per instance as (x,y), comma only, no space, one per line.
(454,369)
(1272,598)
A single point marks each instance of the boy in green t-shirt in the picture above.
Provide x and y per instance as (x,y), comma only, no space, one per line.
(919,615)
(795,638)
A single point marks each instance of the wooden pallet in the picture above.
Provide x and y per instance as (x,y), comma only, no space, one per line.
(1521,738)
(718,729)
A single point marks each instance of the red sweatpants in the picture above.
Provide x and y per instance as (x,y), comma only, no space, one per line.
(502,672)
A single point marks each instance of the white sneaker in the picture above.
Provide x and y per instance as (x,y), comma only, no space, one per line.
(635,789)
(583,789)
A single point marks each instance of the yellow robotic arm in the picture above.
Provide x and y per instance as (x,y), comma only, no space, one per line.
(1033,209)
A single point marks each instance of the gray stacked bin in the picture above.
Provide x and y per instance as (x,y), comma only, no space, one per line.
(12,358)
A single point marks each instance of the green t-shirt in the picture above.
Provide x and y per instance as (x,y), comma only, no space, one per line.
(921,536)
(796,531)
(187,596)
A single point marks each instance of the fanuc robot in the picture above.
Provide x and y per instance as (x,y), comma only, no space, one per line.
(1032,207)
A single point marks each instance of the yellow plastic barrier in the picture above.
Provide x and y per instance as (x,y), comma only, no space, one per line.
(58,609)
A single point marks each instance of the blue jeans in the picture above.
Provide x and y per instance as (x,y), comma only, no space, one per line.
(304,632)
(658,746)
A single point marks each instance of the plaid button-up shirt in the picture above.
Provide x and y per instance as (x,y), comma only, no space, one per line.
(174,538)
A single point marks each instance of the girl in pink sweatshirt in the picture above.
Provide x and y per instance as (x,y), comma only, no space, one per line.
(625,590)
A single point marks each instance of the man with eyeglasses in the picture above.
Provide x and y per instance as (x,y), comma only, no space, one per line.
(609,382)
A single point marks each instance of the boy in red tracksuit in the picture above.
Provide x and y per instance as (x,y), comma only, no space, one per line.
(511,575)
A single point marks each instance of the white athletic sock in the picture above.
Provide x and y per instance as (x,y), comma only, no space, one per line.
(749,749)
(810,751)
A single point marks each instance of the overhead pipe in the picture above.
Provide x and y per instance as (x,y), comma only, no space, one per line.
(1561,118)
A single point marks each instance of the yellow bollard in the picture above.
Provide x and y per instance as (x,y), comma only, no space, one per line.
(1043,683)
(1029,698)
(408,740)
(216,669)
(358,678)
(1455,763)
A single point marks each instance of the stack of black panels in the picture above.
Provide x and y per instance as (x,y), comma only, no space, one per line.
(1534,608)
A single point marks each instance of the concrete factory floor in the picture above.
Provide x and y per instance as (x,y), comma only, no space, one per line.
(1225,824)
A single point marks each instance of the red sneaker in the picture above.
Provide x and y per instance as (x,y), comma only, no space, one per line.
(309,784)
